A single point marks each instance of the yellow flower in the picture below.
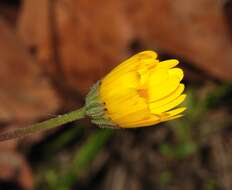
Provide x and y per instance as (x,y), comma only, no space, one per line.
(141,91)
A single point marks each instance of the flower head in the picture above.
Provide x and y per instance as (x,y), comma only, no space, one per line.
(141,91)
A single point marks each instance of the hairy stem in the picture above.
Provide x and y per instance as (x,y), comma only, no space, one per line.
(45,125)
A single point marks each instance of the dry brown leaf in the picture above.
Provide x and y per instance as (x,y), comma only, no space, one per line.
(25,93)
(87,39)
(34,28)
(13,165)
(82,41)
(194,30)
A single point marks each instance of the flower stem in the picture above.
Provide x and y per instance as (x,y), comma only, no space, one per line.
(44,125)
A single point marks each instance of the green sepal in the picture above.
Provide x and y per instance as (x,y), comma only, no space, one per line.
(95,108)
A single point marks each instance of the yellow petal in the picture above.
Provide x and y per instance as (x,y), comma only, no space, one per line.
(119,85)
(132,117)
(131,104)
(155,119)
(177,72)
(168,98)
(171,118)
(163,82)
(143,123)
(176,111)
(159,91)
(158,76)
(167,64)
(143,58)
(168,106)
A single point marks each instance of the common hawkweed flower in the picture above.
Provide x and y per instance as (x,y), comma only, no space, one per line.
(141,91)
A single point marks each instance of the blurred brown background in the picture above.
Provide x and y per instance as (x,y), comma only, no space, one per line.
(52,51)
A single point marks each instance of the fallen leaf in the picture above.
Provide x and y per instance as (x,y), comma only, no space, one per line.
(13,165)
(194,30)
(25,92)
